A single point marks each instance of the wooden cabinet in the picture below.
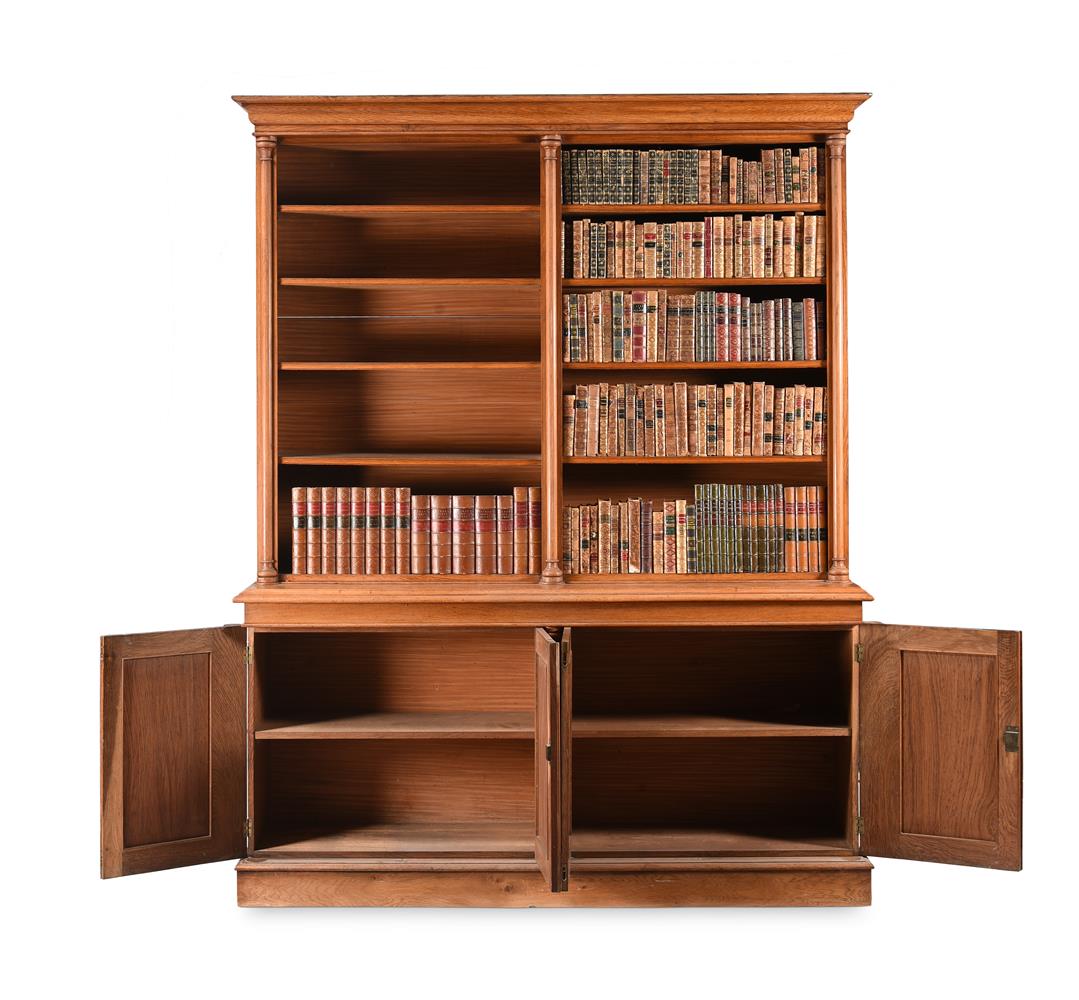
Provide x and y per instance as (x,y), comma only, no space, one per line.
(540,739)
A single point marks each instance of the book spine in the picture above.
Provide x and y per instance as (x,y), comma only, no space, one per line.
(486,535)
(802,519)
(464,534)
(670,536)
(604,536)
(299,530)
(329,529)
(421,535)
(569,404)
(624,535)
(812,515)
(387,541)
(357,524)
(344,522)
(534,530)
(504,535)
(520,529)
(658,538)
(441,535)
(372,530)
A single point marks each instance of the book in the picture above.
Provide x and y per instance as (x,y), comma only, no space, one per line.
(520,529)
(387,547)
(372,539)
(464,534)
(504,534)
(299,529)
(357,520)
(534,529)
(343,513)
(329,529)
(314,529)
(486,535)
(421,543)
(441,534)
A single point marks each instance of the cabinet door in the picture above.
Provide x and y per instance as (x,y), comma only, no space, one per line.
(552,756)
(172,749)
(940,745)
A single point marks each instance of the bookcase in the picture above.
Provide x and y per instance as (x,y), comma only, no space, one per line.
(543,736)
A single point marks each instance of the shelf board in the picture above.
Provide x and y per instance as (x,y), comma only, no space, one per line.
(663,840)
(419,366)
(414,460)
(628,366)
(381,211)
(411,282)
(405,726)
(757,208)
(644,283)
(405,839)
(693,726)
(695,460)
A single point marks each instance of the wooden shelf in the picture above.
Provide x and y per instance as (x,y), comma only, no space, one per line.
(684,282)
(414,460)
(411,282)
(403,839)
(404,366)
(693,727)
(690,842)
(405,726)
(629,366)
(382,211)
(696,460)
(696,209)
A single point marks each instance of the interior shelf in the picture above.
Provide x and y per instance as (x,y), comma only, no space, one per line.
(694,727)
(405,726)
(380,211)
(690,842)
(757,208)
(504,838)
(694,460)
(629,366)
(444,459)
(419,282)
(377,366)
(681,282)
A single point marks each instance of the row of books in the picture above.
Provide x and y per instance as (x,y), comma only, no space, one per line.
(725,528)
(736,419)
(721,246)
(624,325)
(388,530)
(783,176)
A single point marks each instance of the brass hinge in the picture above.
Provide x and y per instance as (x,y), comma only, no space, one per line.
(548,751)
(247,656)
(859,652)
(859,825)
(247,831)
(565,875)
(1011,739)
(564,653)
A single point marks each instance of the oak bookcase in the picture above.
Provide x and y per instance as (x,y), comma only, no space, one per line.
(537,740)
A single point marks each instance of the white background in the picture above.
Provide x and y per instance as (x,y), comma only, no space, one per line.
(129,444)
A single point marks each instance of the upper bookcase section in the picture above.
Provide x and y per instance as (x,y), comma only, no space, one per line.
(352,122)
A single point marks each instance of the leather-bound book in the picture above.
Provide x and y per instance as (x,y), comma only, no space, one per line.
(739,418)
(658,537)
(660,419)
(610,445)
(464,534)
(650,420)
(757,420)
(593,538)
(621,428)
(567,553)
(695,405)
(441,535)
(601,438)
(569,405)
(329,529)
(520,529)
(420,541)
(680,401)
(747,421)
(631,528)
(357,523)
(670,536)
(299,529)
(314,529)
(680,538)
(802,517)
(604,554)
(486,542)
(790,529)
(534,530)
(403,530)
(344,520)
(623,536)
(575,539)
(387,543)
(372,540)
(777,420)
(768,420)
(585,540)
(580,421)
(643,526)
(819,393)
(812,515)
(822,529)
(504,534)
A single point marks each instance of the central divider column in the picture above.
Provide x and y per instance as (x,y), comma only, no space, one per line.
(551,355)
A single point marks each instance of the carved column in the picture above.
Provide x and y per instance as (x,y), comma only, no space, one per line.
(836,208)
(551,354)
(266,353)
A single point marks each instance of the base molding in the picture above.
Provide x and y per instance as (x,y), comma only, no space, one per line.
(816,882)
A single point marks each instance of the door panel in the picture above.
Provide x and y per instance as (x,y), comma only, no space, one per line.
(172,749)
(548,758)
(940,779)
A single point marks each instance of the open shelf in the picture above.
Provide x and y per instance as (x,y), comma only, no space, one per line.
(405,839)
(413,460)
(694,727)
(630,366)
(689,842)
(433,366)
(405,726)
(417,282)
(694,460)
(757,208)
(380,211)
(684,282)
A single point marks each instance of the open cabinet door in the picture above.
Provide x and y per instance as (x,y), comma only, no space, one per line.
(940,752)
(172,749)
(552,854)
